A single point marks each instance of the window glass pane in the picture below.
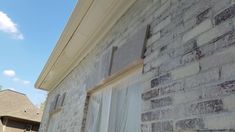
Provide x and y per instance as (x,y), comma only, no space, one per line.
(125,109)
(98,112)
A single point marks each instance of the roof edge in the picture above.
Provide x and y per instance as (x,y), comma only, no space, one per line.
(88,24)
(80,10)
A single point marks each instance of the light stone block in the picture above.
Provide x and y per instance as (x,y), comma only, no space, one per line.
(229,103)
(162,9)
(153,39)
(204,26)
(214,33)
(221,58)
(162,24)
(222,121)
(228,70)
(185,71)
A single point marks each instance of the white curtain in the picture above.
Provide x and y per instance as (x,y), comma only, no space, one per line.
(125,109)
(98,112)
(115,110)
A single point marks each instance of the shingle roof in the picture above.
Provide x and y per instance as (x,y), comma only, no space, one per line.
(15,104)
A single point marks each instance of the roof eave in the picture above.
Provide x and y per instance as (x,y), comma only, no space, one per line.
(79,38)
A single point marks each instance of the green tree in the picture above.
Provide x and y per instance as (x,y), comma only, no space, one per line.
(42,106)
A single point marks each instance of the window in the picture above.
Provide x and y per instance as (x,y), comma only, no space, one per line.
(57,103)
(114,110)
(117,107)
(130,52)
(28,128)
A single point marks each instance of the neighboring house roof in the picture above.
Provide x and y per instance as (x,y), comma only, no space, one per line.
(17,105)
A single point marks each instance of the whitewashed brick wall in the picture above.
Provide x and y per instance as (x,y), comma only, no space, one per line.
(189,67)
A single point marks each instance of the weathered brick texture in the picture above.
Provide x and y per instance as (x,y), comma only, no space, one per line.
(188,76)
(191,53)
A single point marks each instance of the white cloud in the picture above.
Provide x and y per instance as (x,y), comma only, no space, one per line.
(9,73)
(25,82)
(12,74)
(8,26)
(21,81)
(16,79)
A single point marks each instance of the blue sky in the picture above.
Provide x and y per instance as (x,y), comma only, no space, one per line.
(29,30)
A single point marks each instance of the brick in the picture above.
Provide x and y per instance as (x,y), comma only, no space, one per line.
(167,113)
(164,40)
(155,82)
(203,16)
(166,126)
(196,9)
(150,116)
(187,96)
(147,67)
(170,65)
(194,123)
(183,49)
(156,62)
(213,91)
(172,87)
(153,38)
(228,70)
(153,56)
(146,128)
(221,58)
(194,55)
(211,106)
(162,24)
(227,86)
(202,78)
(218,45)
(223,122)
(225,14)
(229,103)
(202,27)
(189,24)
(215,32)
(185,71)
(148,51)
(162,9)
(146,106)
(165,101)
(220,5)
(150,94)
(163,1)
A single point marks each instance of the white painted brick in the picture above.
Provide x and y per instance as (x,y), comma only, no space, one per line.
(146,106)
(228,70)
(229,103)
(163,1)
(202,78)
(218,59)
(184,97)
(158,61)
(195,10)
(214,33)
(221,5)
(222,121)
(162,24)
(233,20)
(163,8)
(153,38)
(204,26)
(185,71)
(152,56)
